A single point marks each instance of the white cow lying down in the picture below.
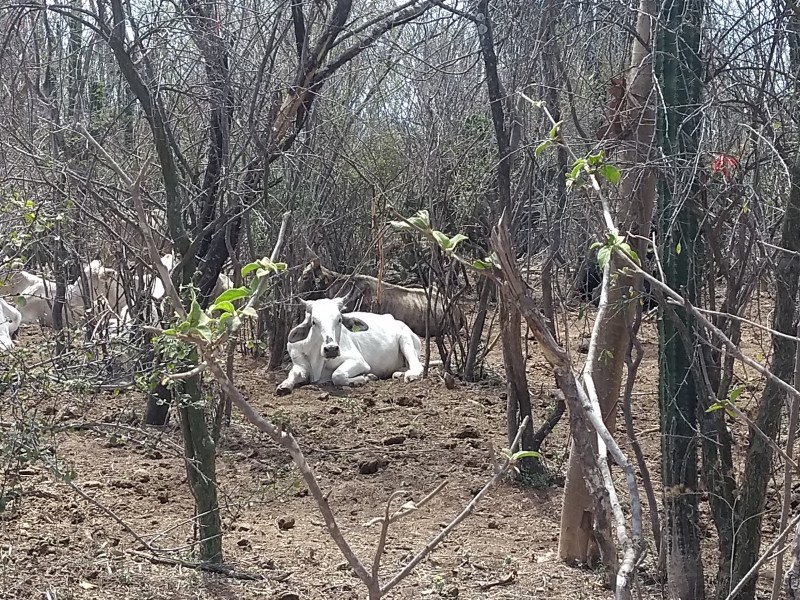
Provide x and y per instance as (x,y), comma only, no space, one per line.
(350,348)
(10,318)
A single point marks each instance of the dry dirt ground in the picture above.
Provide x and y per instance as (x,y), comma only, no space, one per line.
(63,542)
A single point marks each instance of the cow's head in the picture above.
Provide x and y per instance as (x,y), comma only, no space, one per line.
(103,282)
(323,323)
(314,281)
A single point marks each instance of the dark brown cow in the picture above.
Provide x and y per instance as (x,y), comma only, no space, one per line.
(404,304)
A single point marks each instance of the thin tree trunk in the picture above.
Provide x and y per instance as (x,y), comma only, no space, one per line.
(758,464)
(678,231)
(635,213)
(477,330)
(518,395)
(201,471)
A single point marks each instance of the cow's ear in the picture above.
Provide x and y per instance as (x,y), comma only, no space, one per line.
(307,305)
(354,324)
(300,332)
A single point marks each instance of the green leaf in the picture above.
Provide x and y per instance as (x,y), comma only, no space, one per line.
(554,131)
(481,265)
(576,169)
(400,225)
(249,311)
(542,147)
(20,301)
(596,159)
(525,454)
(715,406)
(603,256)
(442,240)
(225,317)
(194,313)
(223,306)
(456,240)
(421,220)
(170,332)
(249,268)
(272,267)
(678,249)
(203,331)
(734,394)
(232,295)
(611,174)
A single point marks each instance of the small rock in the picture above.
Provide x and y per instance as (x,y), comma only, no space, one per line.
(243,543)
(394,440)
(122,484)
(163,497)
(413,433)
(141,476)
(324,396)
(91,484)
(153,455)
(449,381)
(406,401)
(372,466)
(451,592)
(301,493)
(285,523)
(492,524)
(469,432)
(334,410)
(369,402)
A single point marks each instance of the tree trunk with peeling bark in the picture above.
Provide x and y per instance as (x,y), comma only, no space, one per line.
(633,143)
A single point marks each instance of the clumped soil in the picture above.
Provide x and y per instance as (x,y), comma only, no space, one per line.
(65,542)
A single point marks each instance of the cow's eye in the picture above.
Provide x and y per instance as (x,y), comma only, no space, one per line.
(314,322)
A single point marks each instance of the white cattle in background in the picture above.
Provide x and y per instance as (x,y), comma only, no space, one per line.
(38,293)
(350,348)
(10,319)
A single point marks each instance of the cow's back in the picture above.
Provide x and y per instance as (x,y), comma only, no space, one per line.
(380,345)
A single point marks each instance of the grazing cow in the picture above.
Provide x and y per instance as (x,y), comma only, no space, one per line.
(349,348)
(10,319)
(408,305)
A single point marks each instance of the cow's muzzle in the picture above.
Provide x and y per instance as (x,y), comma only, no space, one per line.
(330,351)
